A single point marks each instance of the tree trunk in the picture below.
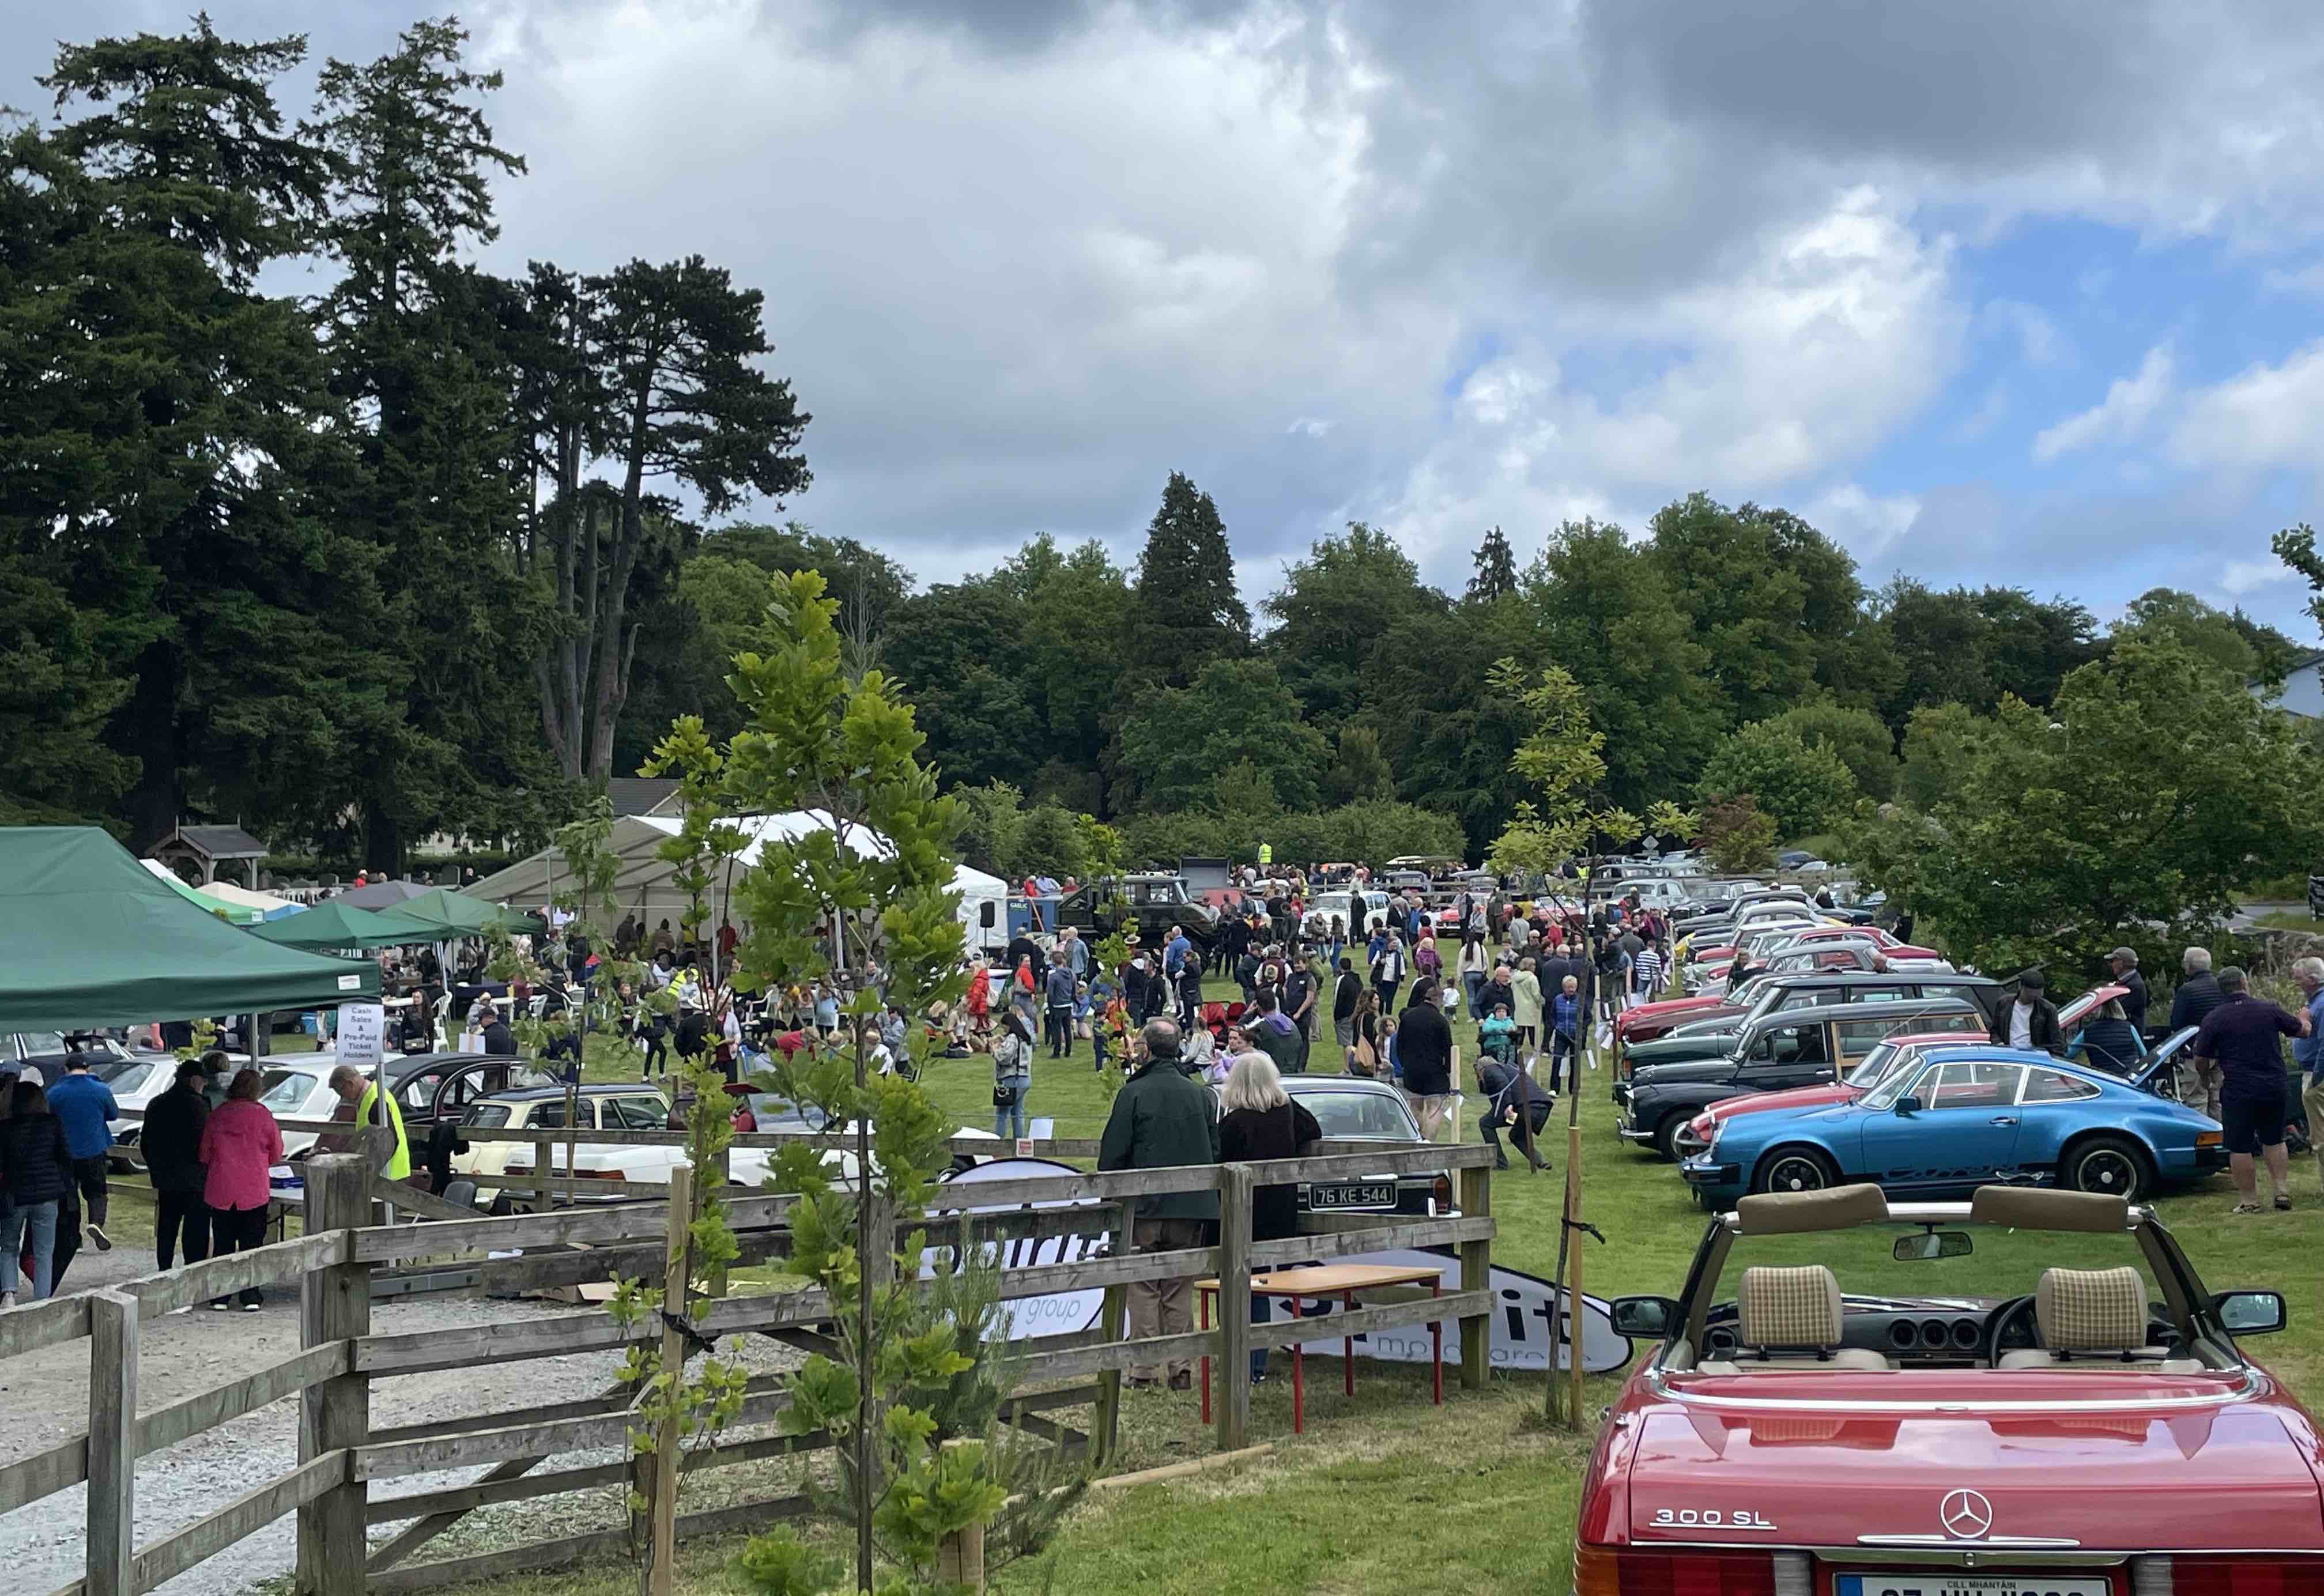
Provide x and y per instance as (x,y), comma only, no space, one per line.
(383,840)
(151,718)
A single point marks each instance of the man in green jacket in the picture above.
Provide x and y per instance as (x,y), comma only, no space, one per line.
(1162,1119)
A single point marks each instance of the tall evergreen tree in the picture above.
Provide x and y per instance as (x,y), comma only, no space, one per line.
(651,372)
(1497,569)
(1188,613)
(414,342)
(173,434)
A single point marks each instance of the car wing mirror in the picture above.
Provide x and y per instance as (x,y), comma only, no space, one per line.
(1644,1318)
(2250,1312)
(1931,1245)
(1907,1107)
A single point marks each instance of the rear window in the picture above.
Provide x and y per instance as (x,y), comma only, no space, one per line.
(286,1090)
(635,1113)
(1359,1114)
(489,1116)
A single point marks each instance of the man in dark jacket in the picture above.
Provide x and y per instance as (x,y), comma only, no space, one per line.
(2123,963)
(1162,1118)
(499,1041)
(1510,1092)
(1058,1006)
(1423,1046)
(172,1140)
(1272,1033)
(1345,995)
(2032,1020)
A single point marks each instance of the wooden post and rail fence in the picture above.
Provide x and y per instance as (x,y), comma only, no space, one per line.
(345,1261)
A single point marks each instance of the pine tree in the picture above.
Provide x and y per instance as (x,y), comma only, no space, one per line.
(1187,611)
(1497,569)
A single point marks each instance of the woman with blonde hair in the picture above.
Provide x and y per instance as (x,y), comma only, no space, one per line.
(1262,1123)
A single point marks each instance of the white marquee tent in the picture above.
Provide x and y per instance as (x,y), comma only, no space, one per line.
(643,884)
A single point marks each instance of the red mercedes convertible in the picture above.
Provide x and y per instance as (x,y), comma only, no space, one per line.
(2028,1394)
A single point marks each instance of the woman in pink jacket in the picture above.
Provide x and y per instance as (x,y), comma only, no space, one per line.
(241,1144)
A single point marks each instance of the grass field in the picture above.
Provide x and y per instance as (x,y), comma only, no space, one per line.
(1384,1492)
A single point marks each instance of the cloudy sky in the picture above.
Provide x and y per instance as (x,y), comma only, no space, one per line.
(1998,291)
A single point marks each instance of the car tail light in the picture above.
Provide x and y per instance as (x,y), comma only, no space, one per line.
(2228,1576)
(599,1175)
(1443,1190)
(1603,1570)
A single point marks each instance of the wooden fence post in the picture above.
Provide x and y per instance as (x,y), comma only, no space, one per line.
(335,1305)
(1476,1202)
(1234,1308)
(1113,1316)
(111,1442)
(662,1573)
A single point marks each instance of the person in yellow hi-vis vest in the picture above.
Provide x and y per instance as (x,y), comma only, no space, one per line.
(1266,855)
(359,1100)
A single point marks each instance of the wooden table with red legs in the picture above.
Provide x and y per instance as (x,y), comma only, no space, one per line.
(1329,1280)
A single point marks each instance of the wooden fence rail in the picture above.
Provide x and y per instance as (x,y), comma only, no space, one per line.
(344,1261)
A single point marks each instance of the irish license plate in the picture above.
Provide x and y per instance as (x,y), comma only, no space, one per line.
(1358,1194)
(1937,1584)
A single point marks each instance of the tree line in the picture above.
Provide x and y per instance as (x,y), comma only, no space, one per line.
(436,550)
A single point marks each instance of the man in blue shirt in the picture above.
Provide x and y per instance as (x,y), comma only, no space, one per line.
(82,1104)
(2308,1053)
(2238,1038)
(1176,952)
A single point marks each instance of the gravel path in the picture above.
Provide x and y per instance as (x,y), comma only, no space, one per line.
(44,1398)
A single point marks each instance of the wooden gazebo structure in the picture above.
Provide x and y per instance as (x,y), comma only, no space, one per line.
(208,846)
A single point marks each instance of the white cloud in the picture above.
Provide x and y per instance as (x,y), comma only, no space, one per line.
(1808,357)
(2263,416)
(2249,576)
(1867,525)
(2118,418)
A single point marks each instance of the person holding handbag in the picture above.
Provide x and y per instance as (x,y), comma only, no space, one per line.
(1365,1055)
(1012,1075)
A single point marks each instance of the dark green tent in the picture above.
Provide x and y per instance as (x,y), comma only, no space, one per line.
(449,914)
(88,937)
(332,923)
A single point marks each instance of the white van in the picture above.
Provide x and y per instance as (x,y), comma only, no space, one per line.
(1329,905)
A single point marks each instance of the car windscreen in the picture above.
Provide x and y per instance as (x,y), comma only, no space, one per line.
(769,1112)
(2000,1263)
(488,1116)
(286,1090)
(132,1075)
(1353,1114)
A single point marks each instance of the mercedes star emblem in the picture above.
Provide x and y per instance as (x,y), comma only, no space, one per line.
(1966,1515)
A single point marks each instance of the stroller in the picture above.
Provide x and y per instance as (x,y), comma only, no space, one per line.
(1218,1019)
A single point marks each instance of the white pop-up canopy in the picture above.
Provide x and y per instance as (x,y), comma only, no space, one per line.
(643,882)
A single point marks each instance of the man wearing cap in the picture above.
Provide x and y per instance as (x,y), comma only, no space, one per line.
(2033,1018)
(2239,1038)
(172,1140)
(498,1041)
(2123,963)
(84,1104)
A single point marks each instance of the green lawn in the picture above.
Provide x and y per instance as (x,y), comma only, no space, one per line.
(1385,1493)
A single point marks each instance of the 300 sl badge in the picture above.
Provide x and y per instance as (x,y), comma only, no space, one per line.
(1711,1519)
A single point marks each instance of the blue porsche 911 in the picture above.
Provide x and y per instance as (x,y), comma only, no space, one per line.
(1969,1116)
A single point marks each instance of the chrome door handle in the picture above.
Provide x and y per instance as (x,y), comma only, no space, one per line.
(2006,1119)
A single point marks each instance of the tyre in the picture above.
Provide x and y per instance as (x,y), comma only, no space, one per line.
(2111,1165)
(1794,1169)
(1666,1133)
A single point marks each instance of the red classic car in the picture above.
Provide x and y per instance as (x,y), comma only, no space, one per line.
(2028,1394)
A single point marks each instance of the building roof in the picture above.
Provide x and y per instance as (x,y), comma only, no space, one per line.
(217,842)
(639,795)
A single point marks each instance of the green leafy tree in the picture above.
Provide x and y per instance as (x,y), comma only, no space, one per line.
(2131,811)
(1561,765)
(1359,771)
(1803,785)
(1188,612)
(1941,740)
(1326,653)
(1739,836)
(1859,737)
(1496,576)
(1446,734)
(1600,606)
(960,650)
(2228,639)
(1178,742)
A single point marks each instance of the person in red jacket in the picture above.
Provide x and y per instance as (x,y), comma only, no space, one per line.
(240,1145)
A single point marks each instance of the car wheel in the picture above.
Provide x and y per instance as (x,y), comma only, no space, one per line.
(1666,1134)
(1794,1169)
(2112,1166)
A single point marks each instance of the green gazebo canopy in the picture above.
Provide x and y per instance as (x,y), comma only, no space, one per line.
(332,923)
(88,937)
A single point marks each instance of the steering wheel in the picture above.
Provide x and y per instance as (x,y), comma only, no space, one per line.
(2000,1321)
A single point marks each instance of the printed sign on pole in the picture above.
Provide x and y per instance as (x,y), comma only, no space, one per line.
(363,1035)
